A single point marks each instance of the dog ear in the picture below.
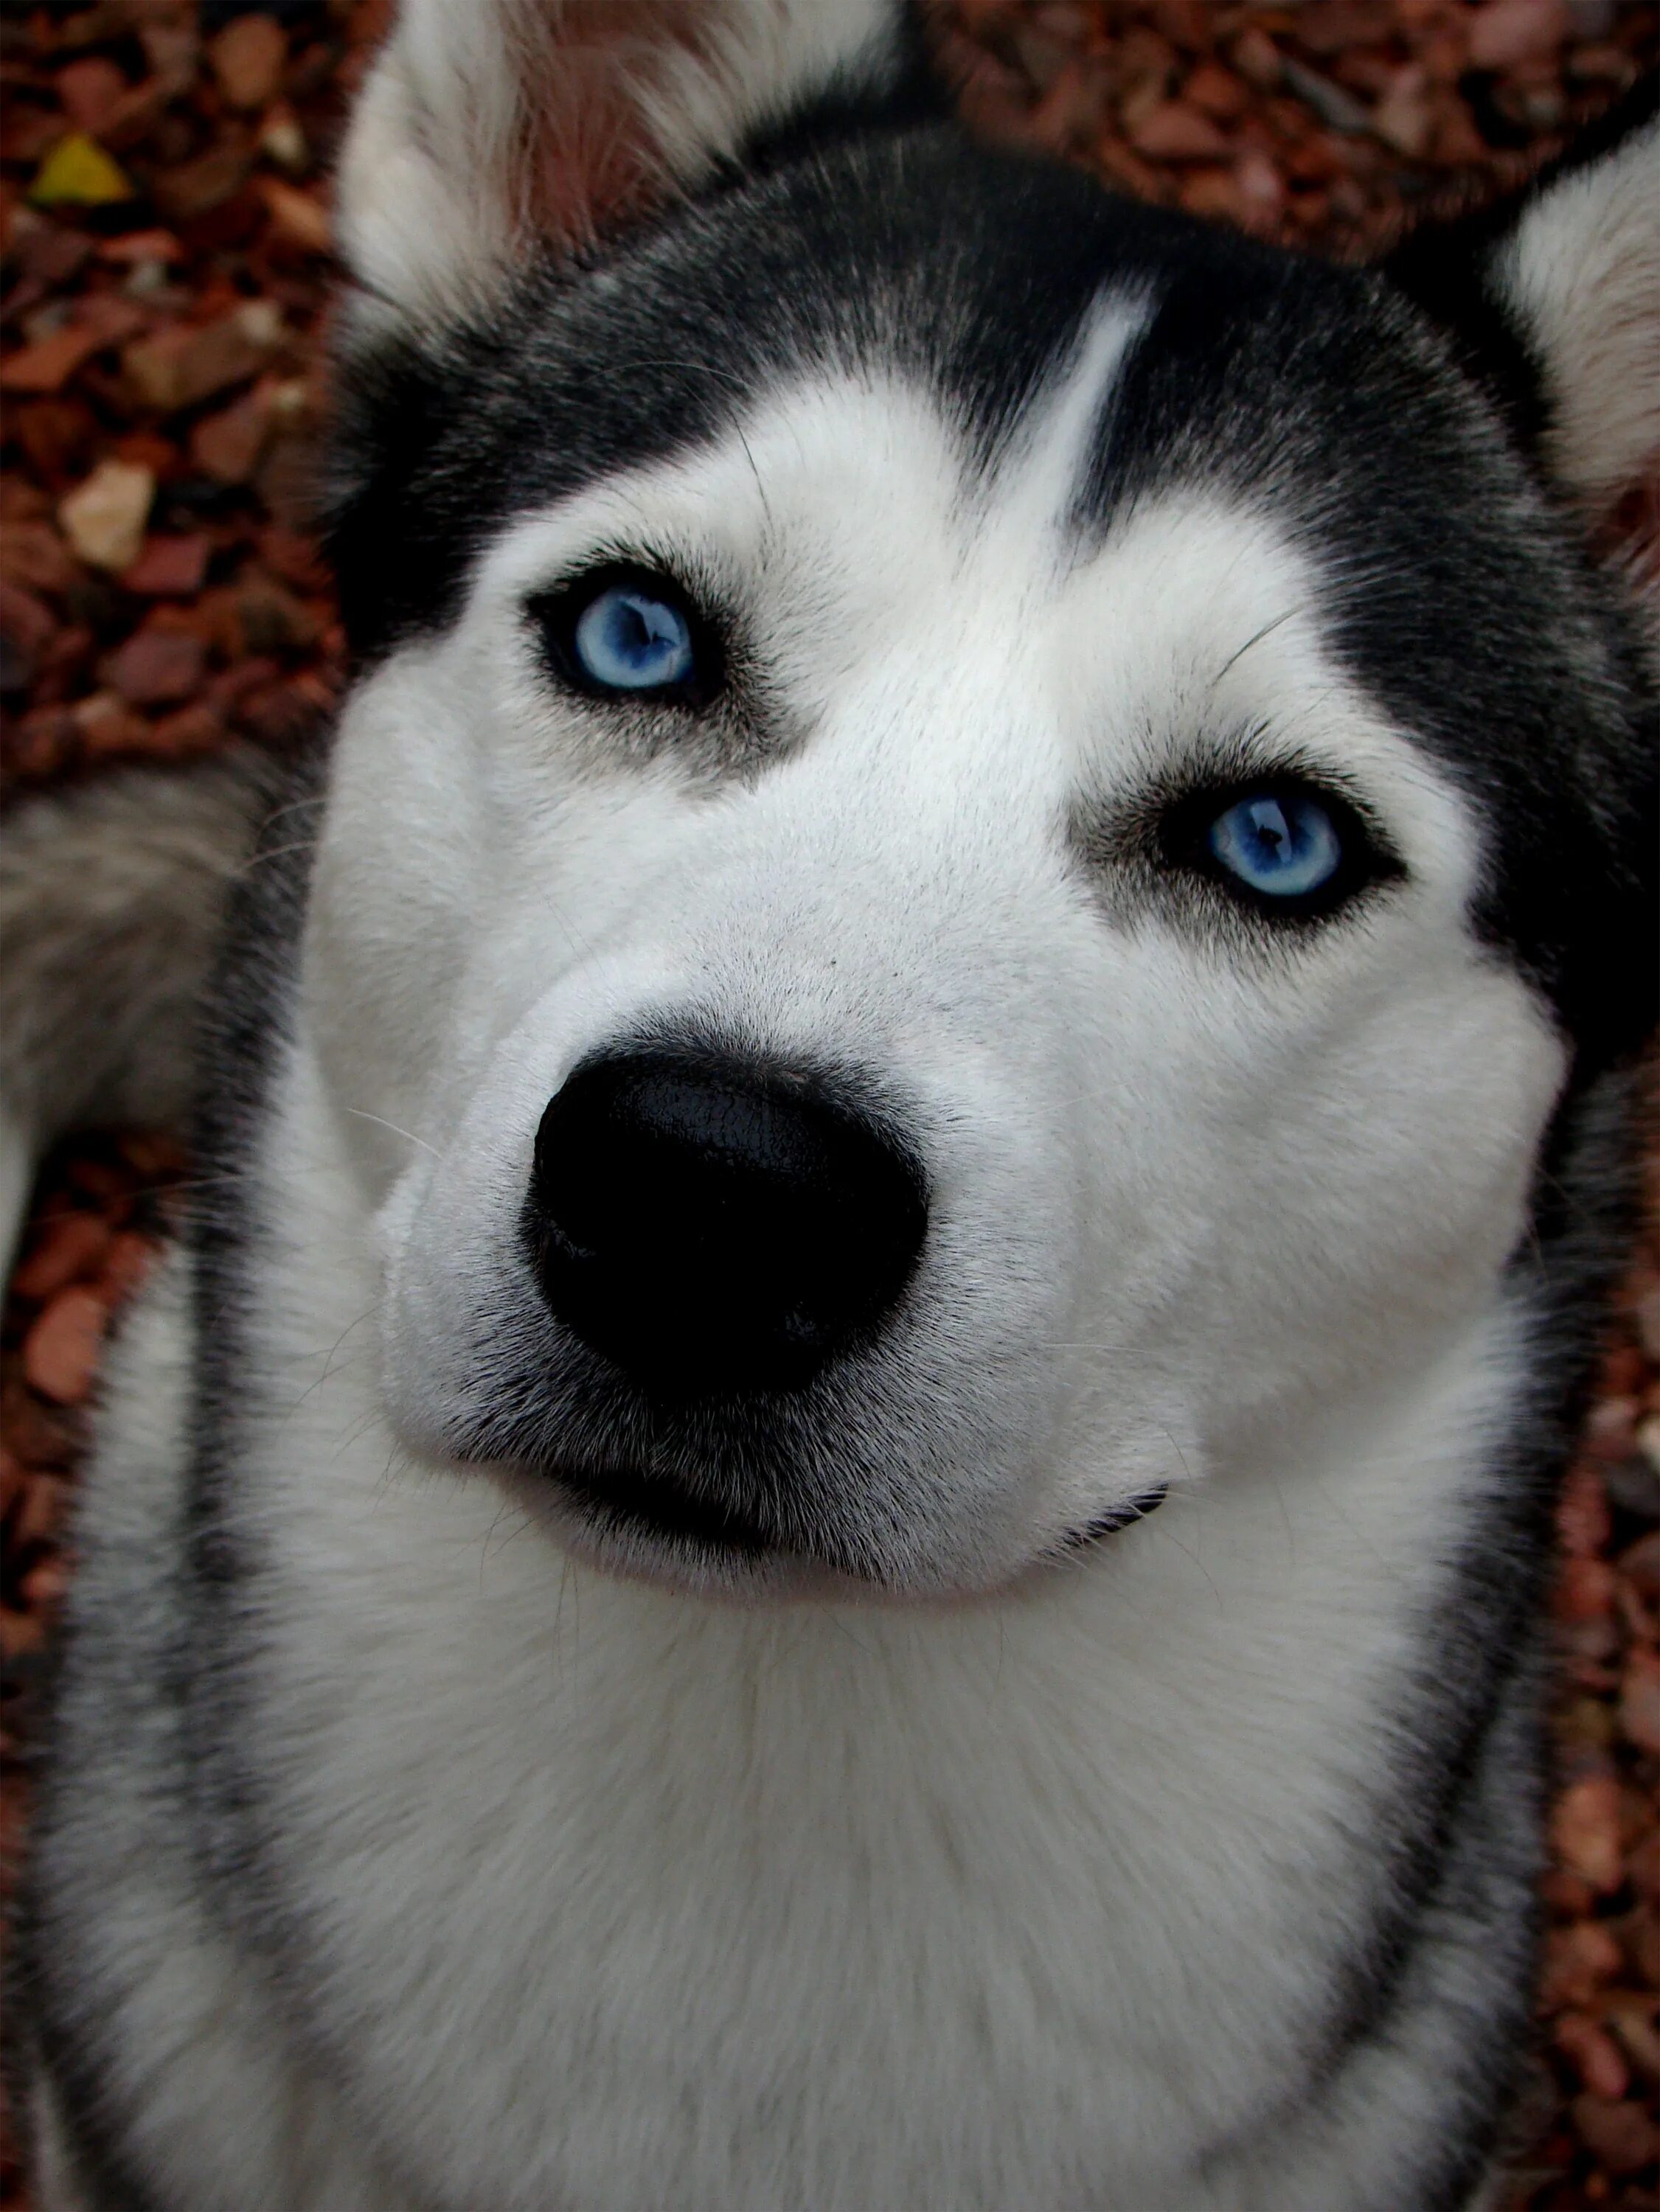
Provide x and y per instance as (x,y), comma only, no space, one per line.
(490,131)
(1554,301)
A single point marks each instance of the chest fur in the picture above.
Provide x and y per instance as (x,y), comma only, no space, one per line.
(1041,1885)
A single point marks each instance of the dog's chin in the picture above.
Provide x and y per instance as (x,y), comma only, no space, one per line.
(639,1532)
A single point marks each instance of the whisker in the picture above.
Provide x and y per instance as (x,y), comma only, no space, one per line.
(361,1113)
(1267,630)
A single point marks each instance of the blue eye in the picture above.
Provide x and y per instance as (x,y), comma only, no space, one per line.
(629,639)
(1280,844)
(619,631)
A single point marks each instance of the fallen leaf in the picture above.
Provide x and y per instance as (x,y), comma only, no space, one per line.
(169,568)
(195,188)
(248,57)
(104,518)
(1506,32)
(135,246)
(27,625)
(1173,132)
(1584,1831)
(60,1352)
(297,216)
(78,172)
(1622,2135)
(33,555)
(1594,2057)
(1639,1701)
(181,366)
(90,90)
(73,1244)
(156,668)
(1578,1959)
(228,445)
(48,363)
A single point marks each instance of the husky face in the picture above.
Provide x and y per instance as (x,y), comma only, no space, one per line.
(999,613)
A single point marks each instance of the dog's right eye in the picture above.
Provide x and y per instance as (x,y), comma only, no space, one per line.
(628,640)
(628,633)
(1281,846)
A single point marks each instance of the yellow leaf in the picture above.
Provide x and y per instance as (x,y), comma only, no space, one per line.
(78,172)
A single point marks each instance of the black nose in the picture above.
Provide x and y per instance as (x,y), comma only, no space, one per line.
(711,1227)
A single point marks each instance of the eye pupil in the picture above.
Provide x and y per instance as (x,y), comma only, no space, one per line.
(630,639)
(1283,845)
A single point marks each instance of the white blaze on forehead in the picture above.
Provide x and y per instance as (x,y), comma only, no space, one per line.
(1040,477)
(798,467)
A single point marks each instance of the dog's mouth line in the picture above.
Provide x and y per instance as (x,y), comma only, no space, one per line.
(1121,1517)
(633,1508)
(628,1503)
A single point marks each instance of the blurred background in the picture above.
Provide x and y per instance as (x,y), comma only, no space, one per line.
(167,272)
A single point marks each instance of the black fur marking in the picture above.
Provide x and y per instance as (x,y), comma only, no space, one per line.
(90,2134)
(1109,1524)
(971,267)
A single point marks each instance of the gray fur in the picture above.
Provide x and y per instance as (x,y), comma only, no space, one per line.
(112,899)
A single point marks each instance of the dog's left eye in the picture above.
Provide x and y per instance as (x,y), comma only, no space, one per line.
(626,633)
(629,639)
(1282,845)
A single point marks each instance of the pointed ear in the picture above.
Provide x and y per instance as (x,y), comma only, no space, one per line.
(491,130)
(1554,300)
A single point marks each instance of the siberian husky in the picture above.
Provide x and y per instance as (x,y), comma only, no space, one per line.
(840,1500)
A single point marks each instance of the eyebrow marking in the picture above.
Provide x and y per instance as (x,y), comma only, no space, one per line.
(1048,461)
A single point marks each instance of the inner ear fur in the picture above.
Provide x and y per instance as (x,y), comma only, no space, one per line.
(1553,300)
(492,131)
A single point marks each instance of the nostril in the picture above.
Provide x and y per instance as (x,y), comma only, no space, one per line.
(715,1227)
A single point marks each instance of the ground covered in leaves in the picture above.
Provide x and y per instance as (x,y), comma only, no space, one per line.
(166,273)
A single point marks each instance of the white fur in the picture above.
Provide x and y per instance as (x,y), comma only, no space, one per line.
(1582,272)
